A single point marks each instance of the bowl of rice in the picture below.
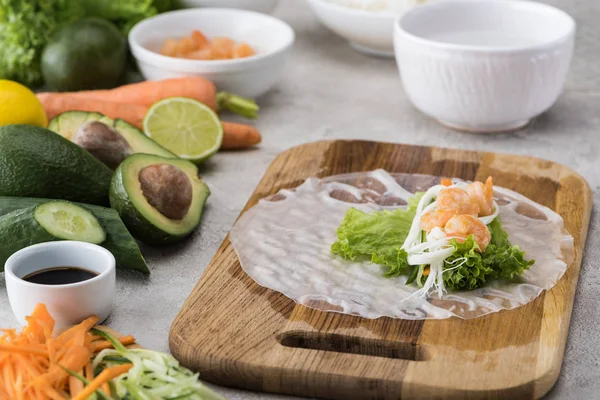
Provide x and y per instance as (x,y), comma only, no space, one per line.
(367,24)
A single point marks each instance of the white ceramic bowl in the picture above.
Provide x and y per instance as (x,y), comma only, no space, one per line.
(369,32)
(484,66)
(251,77)
(68,304)
(263,6)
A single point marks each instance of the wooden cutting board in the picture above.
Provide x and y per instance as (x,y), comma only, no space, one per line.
(237,333)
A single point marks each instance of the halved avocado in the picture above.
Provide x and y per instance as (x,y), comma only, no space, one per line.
(66,124)
(139,142)
(111,141)
(159,199)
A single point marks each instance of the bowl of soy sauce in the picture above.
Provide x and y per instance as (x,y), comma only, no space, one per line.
(60,275)
(75,280)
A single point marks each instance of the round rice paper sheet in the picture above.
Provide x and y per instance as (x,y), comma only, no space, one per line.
(284,243)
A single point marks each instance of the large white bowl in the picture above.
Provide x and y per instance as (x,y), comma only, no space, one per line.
(263,6)
(370,32)
(251,77)
(484,66)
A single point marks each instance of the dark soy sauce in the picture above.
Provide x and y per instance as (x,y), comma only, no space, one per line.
(60,276)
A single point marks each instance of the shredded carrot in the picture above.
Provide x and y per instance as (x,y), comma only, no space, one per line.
(446,182)
(106,388)
(75,385)
(426,271)
(89,374)
(105,344)
(105,376)
(34,364)
(23,350)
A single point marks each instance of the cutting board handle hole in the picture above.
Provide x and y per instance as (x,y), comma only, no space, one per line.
(354,345)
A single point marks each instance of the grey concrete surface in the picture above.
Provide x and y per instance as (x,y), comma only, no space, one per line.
(331,92)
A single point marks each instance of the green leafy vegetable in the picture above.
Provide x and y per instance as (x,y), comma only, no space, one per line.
(125,14)
(25,27)
(468,269)
(413,275)
(377,235)
(507,261)
(465,268)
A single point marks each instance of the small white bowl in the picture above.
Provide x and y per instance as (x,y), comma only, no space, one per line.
(484,66)
(68,304)
(369,32)
(251,77)
(262,6)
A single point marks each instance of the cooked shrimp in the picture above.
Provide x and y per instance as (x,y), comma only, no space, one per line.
(436,219)
(483,196)
(457,199)
(464,225)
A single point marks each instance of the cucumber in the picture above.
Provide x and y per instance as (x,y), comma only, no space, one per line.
(118,239)
(67,123)
(47,222)
(68,221)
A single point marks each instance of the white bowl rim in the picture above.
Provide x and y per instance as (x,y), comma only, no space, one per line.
(382,14)
(182,63)
(60,243)
(487,49)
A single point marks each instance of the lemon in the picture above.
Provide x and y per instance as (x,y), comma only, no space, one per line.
(18,105)
(185,127)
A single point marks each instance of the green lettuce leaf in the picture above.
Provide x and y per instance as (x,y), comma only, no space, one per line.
(125,13)
(473,271)
(377,236)
(500,260)
(507,261)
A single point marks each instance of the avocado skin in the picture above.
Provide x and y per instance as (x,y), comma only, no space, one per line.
(141,227)
(85,54)
(36,162)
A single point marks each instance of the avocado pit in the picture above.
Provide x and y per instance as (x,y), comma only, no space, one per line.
(168,189)
(106,144)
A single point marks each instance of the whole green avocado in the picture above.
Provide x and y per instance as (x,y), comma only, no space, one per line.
(86,54)
(36,162)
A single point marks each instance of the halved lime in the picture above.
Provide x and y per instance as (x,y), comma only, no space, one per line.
(185,127)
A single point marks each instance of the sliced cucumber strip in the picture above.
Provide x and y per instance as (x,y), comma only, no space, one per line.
(68,221)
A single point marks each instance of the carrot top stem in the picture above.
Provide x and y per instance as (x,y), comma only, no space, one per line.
(236,104)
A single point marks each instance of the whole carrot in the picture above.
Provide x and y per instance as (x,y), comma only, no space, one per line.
(235,136)
(58,103)
(149,92)
(239,136)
